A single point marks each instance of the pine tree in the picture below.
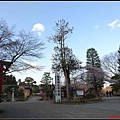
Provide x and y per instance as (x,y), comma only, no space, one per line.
(46,83)
(93,58)
(63,60)
(93,62)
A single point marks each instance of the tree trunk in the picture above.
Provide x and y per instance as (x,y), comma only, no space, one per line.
(68,90)
(96,91)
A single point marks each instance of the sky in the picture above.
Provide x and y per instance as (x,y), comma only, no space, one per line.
(96,24)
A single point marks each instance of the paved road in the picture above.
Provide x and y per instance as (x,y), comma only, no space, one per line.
(110,106)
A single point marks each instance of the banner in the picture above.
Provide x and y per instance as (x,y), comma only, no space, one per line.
(57,88)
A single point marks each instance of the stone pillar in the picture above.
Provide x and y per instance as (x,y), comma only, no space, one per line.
(13,99)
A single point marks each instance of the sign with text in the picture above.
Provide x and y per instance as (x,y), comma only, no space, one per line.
(80,92)
(57,88)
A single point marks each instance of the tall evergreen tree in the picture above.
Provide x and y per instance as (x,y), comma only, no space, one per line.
(93,58)
(93,62)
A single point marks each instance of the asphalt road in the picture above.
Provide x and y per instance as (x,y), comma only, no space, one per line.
(110,106)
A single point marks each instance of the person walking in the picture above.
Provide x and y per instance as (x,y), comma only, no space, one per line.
(110,93)
(107,93)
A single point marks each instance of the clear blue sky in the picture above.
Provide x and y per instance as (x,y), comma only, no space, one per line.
(96,24)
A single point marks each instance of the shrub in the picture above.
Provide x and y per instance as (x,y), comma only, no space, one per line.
(90,95)
(19,95)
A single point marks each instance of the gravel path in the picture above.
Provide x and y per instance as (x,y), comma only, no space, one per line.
(110,106)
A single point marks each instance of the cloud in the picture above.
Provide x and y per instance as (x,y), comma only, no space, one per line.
(39,28)
(97,27)
(114,24)
(30,62)
(118,25)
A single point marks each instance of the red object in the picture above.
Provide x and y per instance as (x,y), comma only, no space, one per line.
(114,116)
(84,93)
(2,63)
(1,76)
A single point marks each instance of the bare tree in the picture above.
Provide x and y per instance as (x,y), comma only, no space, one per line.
(6,35)
(19,49)
(79,76)
(109,63)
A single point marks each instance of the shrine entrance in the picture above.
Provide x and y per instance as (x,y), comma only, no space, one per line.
(4,65)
